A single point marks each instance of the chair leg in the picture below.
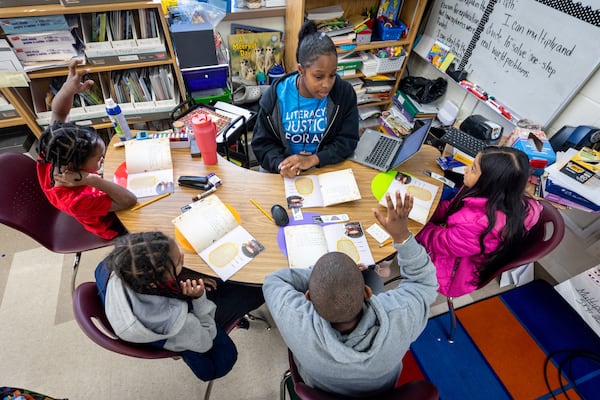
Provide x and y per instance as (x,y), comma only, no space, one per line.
(75,269)
(208,390)
(254,318)
(282,385)
(450,302)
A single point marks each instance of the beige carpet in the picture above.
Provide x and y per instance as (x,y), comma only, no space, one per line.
(44,350)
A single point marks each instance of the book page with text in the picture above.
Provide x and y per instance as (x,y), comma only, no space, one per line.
(149,167)
(303,191)
(338,187)
(205,222)
(349,238)
(305,244)
(423,194)
(230,253)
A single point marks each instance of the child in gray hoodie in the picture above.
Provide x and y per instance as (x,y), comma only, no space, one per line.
(345,338)
(149,300)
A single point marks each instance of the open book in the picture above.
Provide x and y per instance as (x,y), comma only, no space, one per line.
(219,239)
(321,190)
(423,194)
(149,166)
(306,243)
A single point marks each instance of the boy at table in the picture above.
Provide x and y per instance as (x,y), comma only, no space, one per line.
(346,338)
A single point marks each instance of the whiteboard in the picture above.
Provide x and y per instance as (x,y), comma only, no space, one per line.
(531,55)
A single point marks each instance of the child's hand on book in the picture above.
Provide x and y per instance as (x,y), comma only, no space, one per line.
(395,221)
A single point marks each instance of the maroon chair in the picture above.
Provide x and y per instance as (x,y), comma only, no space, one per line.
(88,311)
(24,207)
(416,390)
(541,240)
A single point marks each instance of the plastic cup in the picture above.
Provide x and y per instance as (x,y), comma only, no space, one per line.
(205,132)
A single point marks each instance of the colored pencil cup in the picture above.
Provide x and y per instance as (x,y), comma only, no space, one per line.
(205,132)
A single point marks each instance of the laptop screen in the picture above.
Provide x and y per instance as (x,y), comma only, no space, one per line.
(412,143)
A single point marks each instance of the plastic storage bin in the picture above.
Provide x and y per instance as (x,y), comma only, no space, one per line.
(389,30)
(385,65)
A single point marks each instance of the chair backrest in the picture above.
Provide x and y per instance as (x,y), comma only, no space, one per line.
(89,314)
(24,207)
(416,390)
(541,239)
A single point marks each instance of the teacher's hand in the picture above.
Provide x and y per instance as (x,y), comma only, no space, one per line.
(295,164)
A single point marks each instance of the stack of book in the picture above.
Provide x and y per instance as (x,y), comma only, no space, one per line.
(574,180)
(349,63)
(43,41)
(412,109)
(331,20)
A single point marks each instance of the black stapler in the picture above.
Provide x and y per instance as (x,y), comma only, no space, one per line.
(195,182)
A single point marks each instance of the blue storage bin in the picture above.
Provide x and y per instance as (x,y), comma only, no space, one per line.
(389,30)
(205,78)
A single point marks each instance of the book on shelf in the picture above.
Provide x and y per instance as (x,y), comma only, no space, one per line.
(586,193)
(423,194)
(115,36)
(321,190)
(252,53)
(552,190)
(219,240)
(346,38)
(149,167)
(359,22)
(414,108)
(324,13)
(335,27)
(305,244)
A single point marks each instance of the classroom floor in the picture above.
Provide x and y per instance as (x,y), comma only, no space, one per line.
(44,350)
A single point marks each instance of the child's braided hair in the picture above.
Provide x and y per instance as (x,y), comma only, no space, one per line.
(142,260)
(64,143)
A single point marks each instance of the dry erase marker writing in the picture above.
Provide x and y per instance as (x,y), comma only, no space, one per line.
(262,210)
(162,196)
(204,194)
(439,177)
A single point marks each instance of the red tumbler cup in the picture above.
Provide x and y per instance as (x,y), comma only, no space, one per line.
(205,132)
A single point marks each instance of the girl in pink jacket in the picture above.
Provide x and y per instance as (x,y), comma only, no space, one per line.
(473,234)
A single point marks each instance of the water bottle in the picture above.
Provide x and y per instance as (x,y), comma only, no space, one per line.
(118,119)
(205,132)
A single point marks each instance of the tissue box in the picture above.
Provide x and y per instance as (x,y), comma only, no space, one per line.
(535,144)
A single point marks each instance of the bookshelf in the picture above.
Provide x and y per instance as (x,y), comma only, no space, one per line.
(411,14)
(109,62)
(24,115)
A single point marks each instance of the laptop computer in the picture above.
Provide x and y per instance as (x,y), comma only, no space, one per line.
(384,152)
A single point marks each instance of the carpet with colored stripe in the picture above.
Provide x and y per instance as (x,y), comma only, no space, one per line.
(501,347)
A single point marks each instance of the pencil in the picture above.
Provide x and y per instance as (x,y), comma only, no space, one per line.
(389,241)
(262,210)
(157,198)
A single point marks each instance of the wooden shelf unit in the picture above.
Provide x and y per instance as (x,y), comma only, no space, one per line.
(411,14)
(57,9)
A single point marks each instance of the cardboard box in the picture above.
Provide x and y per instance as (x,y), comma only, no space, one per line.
(533,142)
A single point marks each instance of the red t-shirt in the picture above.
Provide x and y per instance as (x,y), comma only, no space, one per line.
(86,204)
